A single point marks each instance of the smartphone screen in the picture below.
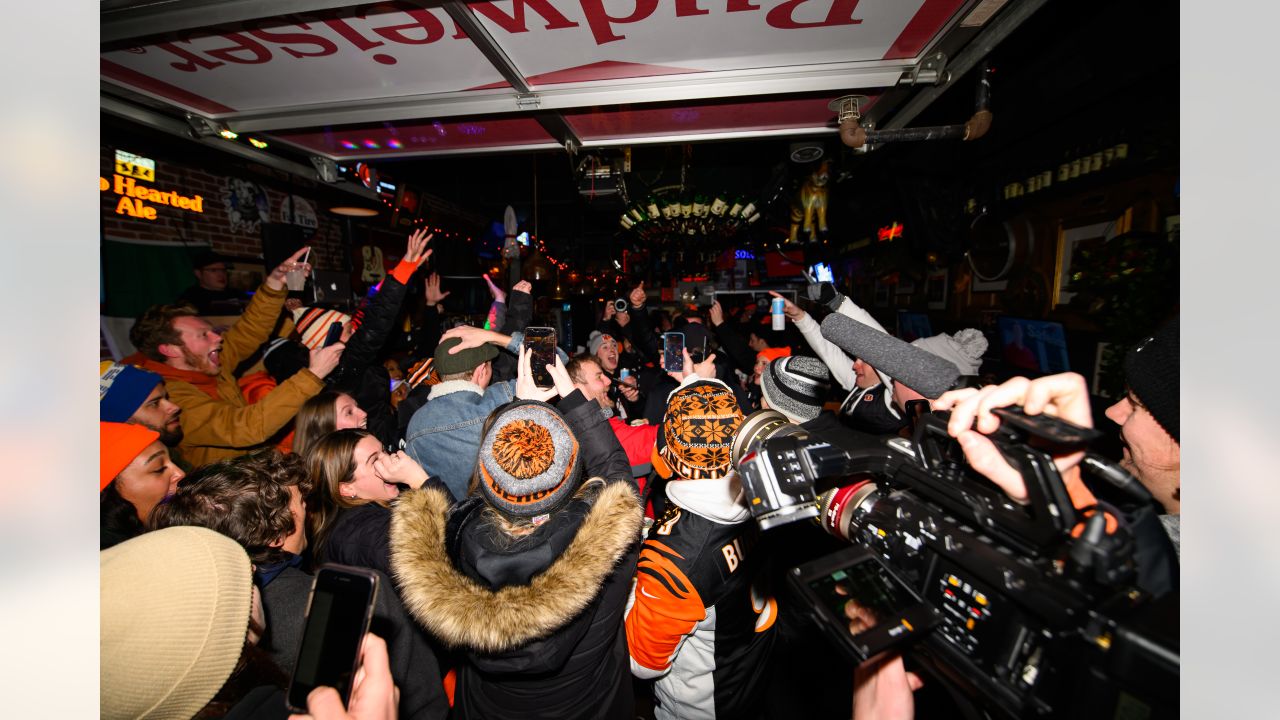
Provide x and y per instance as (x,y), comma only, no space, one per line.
(338,614)
(673,352)
(335,334)
(542,341)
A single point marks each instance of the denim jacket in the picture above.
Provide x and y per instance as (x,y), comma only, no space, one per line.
(444,435)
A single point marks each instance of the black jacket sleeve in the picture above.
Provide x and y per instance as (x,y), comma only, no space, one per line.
(602,454)
(642,337)
(735,347)
(519,311)
(379,317)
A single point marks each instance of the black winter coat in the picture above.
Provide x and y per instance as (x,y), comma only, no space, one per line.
(538,618)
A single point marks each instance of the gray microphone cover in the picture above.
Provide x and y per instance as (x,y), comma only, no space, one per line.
(918,369)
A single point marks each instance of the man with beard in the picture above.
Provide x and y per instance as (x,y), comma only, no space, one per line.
(197,364)
(132,395)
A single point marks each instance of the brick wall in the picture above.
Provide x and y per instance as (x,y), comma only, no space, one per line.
(215,226)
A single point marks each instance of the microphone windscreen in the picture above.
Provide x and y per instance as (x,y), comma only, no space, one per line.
(918,369)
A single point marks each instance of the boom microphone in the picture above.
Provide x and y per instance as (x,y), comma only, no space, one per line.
(918,369)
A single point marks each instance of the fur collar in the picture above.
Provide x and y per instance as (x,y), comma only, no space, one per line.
(449,387)
(461,612)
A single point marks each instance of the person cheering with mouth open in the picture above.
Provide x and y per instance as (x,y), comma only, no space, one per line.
(197,363)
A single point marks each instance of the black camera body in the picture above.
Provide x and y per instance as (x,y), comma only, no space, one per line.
(1012,611)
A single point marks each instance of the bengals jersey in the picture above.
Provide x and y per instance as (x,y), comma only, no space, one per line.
(696,622)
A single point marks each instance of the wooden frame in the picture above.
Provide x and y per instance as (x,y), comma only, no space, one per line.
(1071,239)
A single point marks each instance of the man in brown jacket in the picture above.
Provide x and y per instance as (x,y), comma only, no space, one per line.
(197,365)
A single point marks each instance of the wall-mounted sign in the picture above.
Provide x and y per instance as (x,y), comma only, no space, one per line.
(135,166)
(890,232)
(134,197)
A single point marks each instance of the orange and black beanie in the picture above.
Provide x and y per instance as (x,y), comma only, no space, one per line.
(698,429)
(529,461)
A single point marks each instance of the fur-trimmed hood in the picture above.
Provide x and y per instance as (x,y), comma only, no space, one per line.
(463,612)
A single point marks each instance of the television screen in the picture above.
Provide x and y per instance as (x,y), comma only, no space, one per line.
(913,325)
(1034,345)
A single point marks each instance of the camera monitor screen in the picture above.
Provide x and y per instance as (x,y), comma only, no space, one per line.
(861,603)
(1033,345)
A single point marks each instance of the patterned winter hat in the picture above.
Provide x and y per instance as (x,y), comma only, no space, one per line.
(796,386)
(529,461)
(313,324)
(698,428)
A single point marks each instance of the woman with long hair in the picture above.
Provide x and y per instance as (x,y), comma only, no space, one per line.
(321,414)
(349,509)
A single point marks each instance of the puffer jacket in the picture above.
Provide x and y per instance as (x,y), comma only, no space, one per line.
(538,619)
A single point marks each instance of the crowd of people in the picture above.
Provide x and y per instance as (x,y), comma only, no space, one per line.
(583,550)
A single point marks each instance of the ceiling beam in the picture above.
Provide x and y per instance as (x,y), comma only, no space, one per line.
(693,87)
(173,126)
(124,21)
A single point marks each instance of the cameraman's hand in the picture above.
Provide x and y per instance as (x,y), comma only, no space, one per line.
(1064,395)
(609,311)
(623,319)
(325,359)
(882,690)
(374,695)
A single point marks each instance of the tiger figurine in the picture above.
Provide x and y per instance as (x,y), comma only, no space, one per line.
(812,200)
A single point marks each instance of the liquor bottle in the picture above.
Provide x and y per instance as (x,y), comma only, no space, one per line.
(670,207)
(651,206)
(636,213)
(627,223)
(686,206)
(719,206)
(699,205)
(748,210)
(1064,168)
(735,209)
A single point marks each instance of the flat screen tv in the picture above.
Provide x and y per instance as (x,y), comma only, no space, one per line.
(1038,346)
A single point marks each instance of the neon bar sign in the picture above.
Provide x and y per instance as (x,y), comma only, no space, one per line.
(134,196)
(890,232)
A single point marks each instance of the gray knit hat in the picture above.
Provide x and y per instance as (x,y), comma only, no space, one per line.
(596,339)
(529,460)
(964,349)
(796,386)
(175,613)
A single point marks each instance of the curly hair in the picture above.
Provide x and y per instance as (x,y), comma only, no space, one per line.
(245,498)
(155,328)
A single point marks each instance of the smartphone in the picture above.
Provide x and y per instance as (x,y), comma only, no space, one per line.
(673,352)
(542,341)
(338,614)
(335,334)
(888,613)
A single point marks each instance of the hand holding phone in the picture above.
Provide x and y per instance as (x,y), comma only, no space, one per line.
(334,334)
(338,614)
(541,341)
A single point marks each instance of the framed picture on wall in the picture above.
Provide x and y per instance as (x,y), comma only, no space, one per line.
(1072,241)
(935,289)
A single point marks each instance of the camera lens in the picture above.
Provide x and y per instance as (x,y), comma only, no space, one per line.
(760,426)
(620,305)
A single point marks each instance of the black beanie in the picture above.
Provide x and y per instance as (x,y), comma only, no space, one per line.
(1151,370)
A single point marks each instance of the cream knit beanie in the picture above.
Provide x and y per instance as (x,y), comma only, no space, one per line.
(175,612)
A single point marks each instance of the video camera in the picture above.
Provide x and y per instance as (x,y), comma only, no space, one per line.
(1014,611)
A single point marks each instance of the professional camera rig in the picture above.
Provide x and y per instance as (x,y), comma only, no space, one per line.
(1016,608)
